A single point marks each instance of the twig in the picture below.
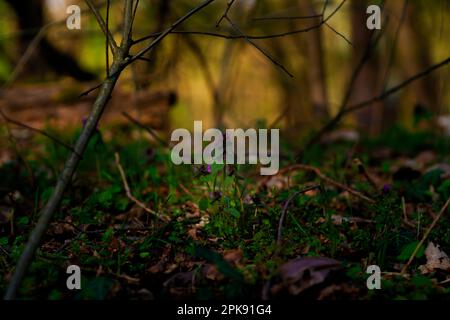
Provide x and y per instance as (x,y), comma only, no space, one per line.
(164,34)
(45,134)
(285,209)
(133,198)
(103,26)
(338,33)
(71,164)
(326,179)
(405,216)
(248,36)
(342,109)
(225,14)
(362,169)
(19,155)
(134,17)
(85,93)
(106,38)
(314,16)
(425,236)
(146,128)
(325,5)
(267,55)
(394,44)
(398,87)
(26,56)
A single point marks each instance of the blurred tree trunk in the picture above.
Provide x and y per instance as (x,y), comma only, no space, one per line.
(144,81)
(316,68)
(367,84)
(30,18)
(304,98)
(414,56)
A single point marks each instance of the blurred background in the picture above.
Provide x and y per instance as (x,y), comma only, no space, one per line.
(383,170)
(230,83)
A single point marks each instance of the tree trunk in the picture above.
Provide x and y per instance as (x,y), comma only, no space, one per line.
(30,18)
(367,84)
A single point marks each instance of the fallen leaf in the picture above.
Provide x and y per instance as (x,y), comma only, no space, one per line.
(436,259)
(300,274)
(193,233)
(233,256)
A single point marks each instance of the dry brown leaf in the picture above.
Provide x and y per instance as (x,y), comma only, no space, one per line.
(129,279)
(193,233)
(233,256)
(172,267)
(212,273)
(436,259)
(300,274)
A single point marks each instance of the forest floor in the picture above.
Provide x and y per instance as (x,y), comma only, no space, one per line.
(225,237)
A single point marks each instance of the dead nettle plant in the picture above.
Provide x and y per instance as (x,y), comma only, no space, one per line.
(121,59)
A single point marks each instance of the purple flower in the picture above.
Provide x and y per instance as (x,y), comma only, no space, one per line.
(386,188)
(214,196)
(202,170)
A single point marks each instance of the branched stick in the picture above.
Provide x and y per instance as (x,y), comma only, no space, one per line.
(169,30)
(326,179)
(266,54)
(103,26)
(133,198)
(106,38)
(225,14)
(398,87)
(285,209)
(425,236)
(344,111)
(362,169)
(121,59)
(146,128)
(45,134)
(69,169)
(313,16)
(240,36)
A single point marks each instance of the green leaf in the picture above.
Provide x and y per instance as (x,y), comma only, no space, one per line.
(203,204)
(236,214)
(4,241)
(409,249)
(23,221)
(444,189)
(108,235)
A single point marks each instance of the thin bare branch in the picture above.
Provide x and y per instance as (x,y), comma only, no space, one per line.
(398,87)
(324,9)
(425,236)
(127,23)
(151,131)
(266,54)
(315,16)
(285,209)
(133,198)
(72,162)
(225,14)
(103,26)
(246,36)
(326,179)
(106,38)
(43,133)
(169,30)
(338,33)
